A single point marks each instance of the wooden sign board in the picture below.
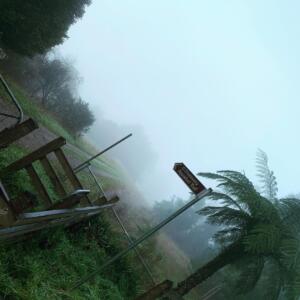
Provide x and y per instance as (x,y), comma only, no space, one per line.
(189,178)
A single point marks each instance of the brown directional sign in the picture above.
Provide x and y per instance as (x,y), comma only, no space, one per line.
(189,178)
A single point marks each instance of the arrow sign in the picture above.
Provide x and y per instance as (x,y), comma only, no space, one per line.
(189,178)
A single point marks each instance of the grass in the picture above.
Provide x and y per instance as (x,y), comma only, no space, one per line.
(48,265)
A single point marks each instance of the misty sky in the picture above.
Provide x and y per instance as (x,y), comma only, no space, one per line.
(209,82)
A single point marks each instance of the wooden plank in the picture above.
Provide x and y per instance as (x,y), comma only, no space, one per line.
(70,174)
(10,135)
(157,291)
(23,202)
(33,156)
(53,177)
(38,185)
(41,216)
(102,200)
(71,200)
(7,215)
(13,231)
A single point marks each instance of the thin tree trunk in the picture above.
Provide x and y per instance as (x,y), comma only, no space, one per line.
(156,291)
(227,256)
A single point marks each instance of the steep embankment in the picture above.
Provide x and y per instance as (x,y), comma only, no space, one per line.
(162,255)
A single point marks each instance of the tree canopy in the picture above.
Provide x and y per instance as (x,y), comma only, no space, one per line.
(34,26)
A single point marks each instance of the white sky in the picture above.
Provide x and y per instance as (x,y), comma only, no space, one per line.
(210,82)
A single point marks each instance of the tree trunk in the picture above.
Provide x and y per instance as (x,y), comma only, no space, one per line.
(227,256)
(157,291)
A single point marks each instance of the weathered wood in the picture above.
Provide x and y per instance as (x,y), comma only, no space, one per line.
(38,185)
(7,216)
(100,200)
(14,231)
(71,200)
(53,177)
(70,173)
(157,291)
(41,216)
(10,135)
(103,200)
(23,202)
(33,156)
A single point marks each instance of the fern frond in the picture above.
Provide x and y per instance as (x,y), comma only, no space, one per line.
(250,272)
(241,190)
(290,251)
(263,239)
(238,186)
(267,178)
(273,281)
(224,215)
(289,209)
(228,235)
(226,199)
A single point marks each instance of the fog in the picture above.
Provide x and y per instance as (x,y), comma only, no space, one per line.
(203,82)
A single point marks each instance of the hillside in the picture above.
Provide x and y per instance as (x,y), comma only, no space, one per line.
(160,252)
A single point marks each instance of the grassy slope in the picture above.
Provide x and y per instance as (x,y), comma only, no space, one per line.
(38,264)
(49,121)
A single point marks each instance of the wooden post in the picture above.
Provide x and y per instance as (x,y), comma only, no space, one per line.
(71,200)
(158,291)
(38,185)
(70,173)
(53,177)
(7,216)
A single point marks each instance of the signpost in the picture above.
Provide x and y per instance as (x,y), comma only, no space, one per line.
(189,178)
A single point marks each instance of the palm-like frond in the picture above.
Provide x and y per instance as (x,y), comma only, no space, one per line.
(263,239)
(289,209)
(250,272)
(273,279)
(241,190)
(228,235)
(267,178)
(225,200)
(224,215)
(290,253)
(267,229)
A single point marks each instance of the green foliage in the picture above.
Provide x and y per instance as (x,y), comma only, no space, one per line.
(251,271)
(30,27)
(267,178)
(266,229)
(19,182)
(15,183)
(46,265)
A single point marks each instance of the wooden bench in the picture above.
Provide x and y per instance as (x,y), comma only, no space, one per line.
(41,155)
(12,134)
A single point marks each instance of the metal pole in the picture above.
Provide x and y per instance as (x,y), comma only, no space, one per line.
(144,237)
(80,166)
(145,265)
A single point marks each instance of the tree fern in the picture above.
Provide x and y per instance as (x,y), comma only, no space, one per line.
(267,228)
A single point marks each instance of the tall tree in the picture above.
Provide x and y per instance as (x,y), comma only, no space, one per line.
(51,77)
(34,26)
